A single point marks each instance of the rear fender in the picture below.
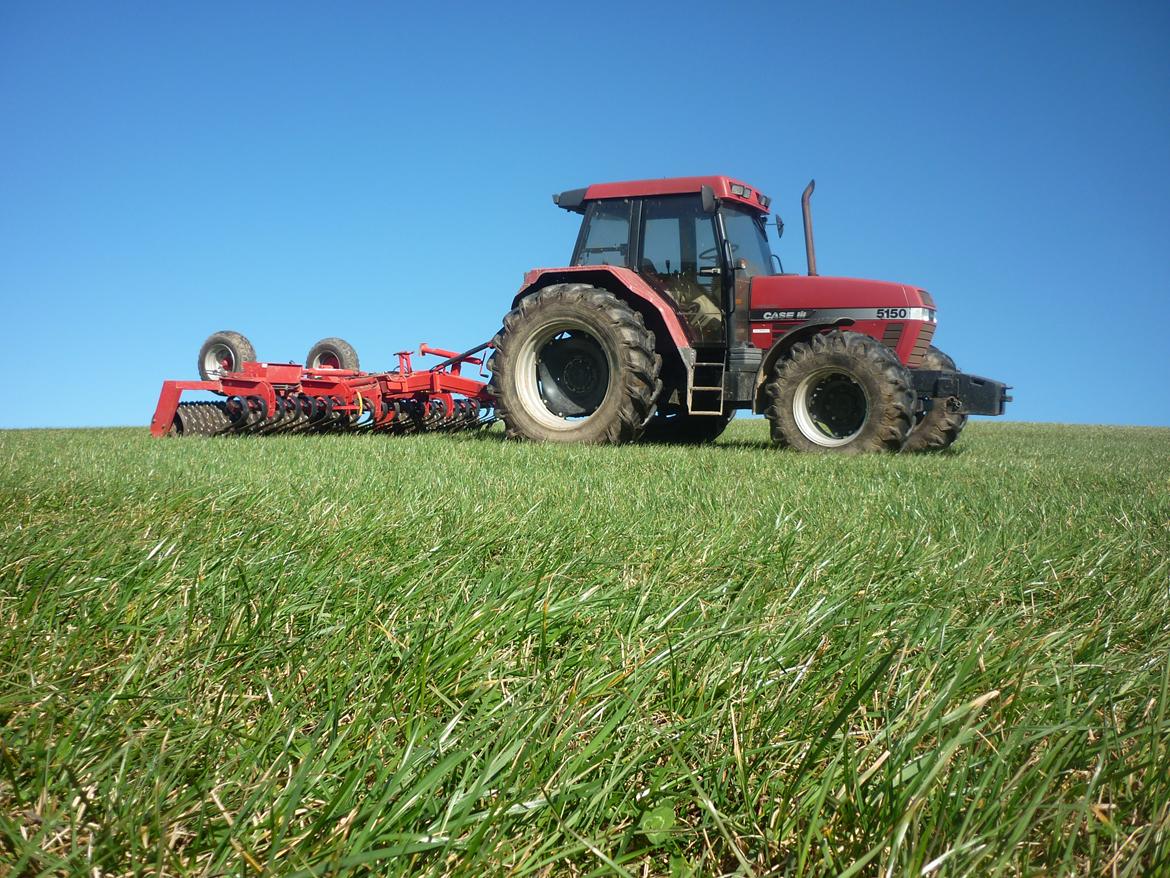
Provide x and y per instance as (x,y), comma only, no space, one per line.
(658,312)
(780,349)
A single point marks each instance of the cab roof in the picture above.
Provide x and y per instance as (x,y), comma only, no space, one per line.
(722,188)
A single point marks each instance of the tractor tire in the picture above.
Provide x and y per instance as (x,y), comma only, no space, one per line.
(938,428)
(840,392)
(574,363)
(332,353)
(686,429)
(224,352)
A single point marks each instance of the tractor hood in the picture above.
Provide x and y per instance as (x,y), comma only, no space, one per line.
(773,296)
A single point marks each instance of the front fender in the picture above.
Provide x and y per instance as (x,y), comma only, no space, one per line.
(781,346)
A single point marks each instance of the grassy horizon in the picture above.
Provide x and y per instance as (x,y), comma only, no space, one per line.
(442,654)
(742,418)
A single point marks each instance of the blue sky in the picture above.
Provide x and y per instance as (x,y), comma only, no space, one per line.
(383,172)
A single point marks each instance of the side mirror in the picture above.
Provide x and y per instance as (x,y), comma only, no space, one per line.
(779,227)
(710,202)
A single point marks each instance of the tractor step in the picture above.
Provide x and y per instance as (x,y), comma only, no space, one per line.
(707,389)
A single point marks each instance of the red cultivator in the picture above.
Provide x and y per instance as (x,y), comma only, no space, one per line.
(321,397)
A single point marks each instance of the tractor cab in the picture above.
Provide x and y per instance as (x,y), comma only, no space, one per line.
(697,241)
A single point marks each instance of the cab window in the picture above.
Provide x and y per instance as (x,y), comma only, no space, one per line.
(680,256)
(749,243)
(606,238)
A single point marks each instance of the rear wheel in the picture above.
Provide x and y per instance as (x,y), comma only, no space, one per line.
(841,392)
(332,353)
(223,353)
(686,429)
(573,363)
(938,428)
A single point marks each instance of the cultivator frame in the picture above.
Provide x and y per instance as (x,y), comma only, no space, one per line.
(266,398)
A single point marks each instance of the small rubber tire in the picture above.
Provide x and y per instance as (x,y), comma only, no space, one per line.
(223,353)
(937,429)
(332,353)
(862,361)
(686,429)
(620,336)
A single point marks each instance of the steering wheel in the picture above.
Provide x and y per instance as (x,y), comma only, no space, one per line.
(712,252)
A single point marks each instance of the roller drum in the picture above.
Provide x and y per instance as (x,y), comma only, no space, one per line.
(201,419)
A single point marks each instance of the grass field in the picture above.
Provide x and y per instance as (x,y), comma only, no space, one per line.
(457,655)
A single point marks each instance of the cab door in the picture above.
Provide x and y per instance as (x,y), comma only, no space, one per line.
(679,255)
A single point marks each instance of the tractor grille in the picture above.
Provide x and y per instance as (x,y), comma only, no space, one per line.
(892,335)
(925,334)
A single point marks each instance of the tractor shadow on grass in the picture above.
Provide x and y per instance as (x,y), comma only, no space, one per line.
(766,445)
(490,434)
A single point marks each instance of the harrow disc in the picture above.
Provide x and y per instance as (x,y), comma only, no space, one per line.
(249,416)
(201,419)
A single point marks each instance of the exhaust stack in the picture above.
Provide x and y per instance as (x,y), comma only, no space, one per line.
(809,250)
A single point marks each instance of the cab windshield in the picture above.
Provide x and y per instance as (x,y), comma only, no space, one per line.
(749,242)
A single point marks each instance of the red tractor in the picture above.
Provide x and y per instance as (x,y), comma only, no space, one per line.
(671,316)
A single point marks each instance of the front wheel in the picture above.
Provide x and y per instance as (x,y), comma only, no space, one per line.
(574,363)
(840,392)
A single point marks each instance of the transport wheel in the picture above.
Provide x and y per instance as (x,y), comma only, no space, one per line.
(332,353)
(686,429)
(938,428)
(224,352)
(841,392)
(574,363)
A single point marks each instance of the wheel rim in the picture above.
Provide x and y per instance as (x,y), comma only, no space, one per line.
(326,360)
(219,360)
(830,408)
(563,374)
